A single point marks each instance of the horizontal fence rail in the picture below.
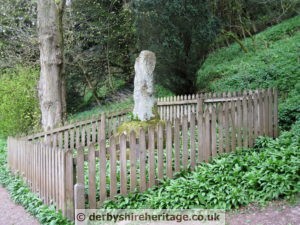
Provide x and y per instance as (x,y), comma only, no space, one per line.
(84,166)
(80,130)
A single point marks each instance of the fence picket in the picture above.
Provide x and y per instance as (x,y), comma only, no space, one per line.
(185,141)
(255,115)
(275,112)
(239,123)
(260,112)
(113,167)
(266,112)
(213,132)
(226,127)
(151,157)
(123,164)
(192,140)
(270,114)
(245,122)
(160,153)
(207,135)
(132,161)
(233,125)
(200,136)
(177,144)
(169,149)
(143,184)
(220,125)
(92,176)
(250,120)
(69,185)
(102,162)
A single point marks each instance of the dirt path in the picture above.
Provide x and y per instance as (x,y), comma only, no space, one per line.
(277,213)
(12,214)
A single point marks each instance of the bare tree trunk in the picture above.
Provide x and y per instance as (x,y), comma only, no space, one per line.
(52,81)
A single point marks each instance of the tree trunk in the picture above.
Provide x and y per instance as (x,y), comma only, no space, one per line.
(52,81)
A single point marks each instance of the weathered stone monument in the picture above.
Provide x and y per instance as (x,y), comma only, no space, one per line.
(144,100)
(145,113)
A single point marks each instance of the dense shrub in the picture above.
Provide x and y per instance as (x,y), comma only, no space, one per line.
(269,171)
(19,109)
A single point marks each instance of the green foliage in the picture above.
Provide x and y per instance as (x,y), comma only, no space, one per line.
(18,36)
(269,171)
(161,91)
(20,193)
(179,34)
(289,110)
(19,109)
(95,111)
(99,40)
(240,19)
(272,61)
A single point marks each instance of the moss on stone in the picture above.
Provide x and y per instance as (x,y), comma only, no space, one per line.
(127,127)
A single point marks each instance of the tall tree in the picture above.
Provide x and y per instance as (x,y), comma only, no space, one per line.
(52,81)
(99,41)
(180,33)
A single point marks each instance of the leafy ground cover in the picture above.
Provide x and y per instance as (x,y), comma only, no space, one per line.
(269,171)
(95,111)
(21,194)
(272,60)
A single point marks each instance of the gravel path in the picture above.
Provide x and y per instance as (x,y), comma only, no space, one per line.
(277,213)
(12,214)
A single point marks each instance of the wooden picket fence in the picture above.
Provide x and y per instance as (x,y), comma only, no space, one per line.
(174,107)
(79,129)
(73,171)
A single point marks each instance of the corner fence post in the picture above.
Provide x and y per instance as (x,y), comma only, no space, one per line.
(79,198)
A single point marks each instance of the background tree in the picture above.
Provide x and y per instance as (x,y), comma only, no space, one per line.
(18,36)
(243,18)
(99,45)
(180,33)
(52,81)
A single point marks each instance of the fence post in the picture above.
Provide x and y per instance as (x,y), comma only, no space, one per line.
(79,198)
(275,93)
(92,176)
(102,161)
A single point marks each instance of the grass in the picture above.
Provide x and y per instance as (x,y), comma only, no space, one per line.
(272,61)
(111,107)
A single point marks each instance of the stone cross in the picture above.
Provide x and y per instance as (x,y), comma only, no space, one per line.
(144,99)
